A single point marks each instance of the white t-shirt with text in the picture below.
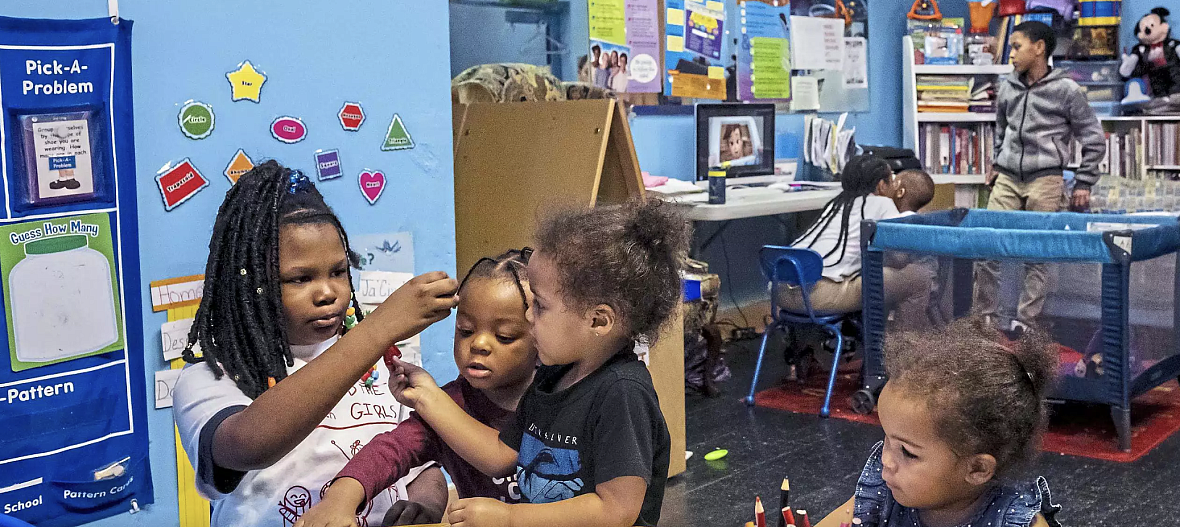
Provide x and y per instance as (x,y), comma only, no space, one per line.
(278,495)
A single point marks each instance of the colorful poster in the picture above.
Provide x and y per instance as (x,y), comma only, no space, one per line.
(73,397)
(704,29)
(625,46)
(764,52)
(60,290)
(694,34)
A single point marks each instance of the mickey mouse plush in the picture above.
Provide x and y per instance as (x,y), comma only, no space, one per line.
(1155,56)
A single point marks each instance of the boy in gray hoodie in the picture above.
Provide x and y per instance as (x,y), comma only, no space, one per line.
(1039,109)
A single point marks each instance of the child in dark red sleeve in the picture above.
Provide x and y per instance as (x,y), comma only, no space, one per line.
(496,358)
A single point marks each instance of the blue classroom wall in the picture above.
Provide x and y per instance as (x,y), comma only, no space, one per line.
(390,56)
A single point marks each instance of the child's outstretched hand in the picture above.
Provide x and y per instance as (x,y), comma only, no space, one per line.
(477,512)
(424,300)
(410,384)
(329,513)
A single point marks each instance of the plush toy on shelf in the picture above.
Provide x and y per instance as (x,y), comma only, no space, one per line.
(924,10)
(1155,57)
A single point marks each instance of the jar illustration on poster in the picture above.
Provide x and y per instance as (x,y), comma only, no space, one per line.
(60,290)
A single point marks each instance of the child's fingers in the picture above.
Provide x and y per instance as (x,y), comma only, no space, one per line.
(458,513)
(432,276)
(444,287)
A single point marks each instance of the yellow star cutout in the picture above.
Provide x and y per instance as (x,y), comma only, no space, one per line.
(246,82)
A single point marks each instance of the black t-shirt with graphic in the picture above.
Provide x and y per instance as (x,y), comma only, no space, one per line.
(606,426)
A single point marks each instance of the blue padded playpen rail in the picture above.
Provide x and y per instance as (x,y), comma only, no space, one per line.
(964,236)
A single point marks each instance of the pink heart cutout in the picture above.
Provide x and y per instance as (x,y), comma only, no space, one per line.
(372,185)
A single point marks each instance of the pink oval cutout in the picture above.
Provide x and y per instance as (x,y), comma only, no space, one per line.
(288,129)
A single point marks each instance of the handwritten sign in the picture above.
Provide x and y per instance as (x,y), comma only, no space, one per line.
(818,43)
(174,336)
(165,384)
(177,292)
(375,286)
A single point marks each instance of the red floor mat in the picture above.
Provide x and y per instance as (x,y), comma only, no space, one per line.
(1075,429)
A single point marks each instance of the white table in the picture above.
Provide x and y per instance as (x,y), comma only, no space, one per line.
(747,203)
(752,202)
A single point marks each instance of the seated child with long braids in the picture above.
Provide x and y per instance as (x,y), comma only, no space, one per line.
(266,415)
(589,445)
(866,183)
(962,412)
(496,359)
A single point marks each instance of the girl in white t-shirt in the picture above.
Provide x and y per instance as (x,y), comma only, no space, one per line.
(866,182)
(277,405)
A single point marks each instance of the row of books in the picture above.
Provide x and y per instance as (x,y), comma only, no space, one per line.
(1159,193)
(1124,155)
(955,94)
(956,149)
(1163,144)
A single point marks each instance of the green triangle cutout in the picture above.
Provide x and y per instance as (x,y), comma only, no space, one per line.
(397,138)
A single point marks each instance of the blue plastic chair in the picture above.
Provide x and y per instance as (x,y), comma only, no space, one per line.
(803,268)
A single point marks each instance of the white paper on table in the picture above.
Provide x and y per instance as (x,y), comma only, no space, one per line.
(817,43)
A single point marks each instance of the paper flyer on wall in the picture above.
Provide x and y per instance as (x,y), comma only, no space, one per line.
(818,43)
(764,51)
(625,45)
(695,35)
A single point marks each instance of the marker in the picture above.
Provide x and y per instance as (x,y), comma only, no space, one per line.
(785,499)
(759,512)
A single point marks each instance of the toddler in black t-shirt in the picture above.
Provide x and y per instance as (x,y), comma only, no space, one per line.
(589,445)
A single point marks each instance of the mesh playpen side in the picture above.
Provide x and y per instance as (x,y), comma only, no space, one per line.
(1109,306)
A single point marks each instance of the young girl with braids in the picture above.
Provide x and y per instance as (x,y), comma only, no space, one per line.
(496,359)
(866,183)
(589,445)
(275,408)
(962,412)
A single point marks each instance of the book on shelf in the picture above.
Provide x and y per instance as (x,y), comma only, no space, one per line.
(956,148)
(1163,144)
(1126,155)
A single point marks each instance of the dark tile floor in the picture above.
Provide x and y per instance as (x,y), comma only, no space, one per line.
(824,456)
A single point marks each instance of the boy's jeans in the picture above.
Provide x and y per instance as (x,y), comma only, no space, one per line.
(1044,194)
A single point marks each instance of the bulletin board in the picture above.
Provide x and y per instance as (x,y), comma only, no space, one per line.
(75,446)
(812,54)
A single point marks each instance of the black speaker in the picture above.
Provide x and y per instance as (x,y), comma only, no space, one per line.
(899,158)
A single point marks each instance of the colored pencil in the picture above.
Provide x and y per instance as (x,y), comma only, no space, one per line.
(784,499)
(788,516)
(803,520)
(759,512)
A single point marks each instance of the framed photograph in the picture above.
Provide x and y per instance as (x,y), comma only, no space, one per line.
(60,162)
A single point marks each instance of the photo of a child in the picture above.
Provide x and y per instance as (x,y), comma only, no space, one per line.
(735,141)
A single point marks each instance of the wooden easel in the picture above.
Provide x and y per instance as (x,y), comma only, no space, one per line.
(515,162)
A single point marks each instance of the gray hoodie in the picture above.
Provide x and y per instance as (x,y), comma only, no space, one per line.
(1034,125)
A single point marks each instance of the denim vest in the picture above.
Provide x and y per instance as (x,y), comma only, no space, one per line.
(1005,506)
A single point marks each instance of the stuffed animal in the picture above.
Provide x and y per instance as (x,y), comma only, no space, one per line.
(518,83)
(1155,56)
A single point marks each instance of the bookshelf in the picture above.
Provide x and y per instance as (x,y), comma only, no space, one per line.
(1141,169)
(917,124)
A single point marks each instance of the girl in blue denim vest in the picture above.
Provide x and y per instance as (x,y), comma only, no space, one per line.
(963,411)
